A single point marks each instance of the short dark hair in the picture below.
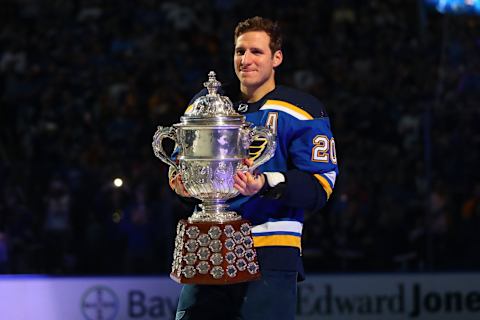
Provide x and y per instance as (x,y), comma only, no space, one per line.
(261,24)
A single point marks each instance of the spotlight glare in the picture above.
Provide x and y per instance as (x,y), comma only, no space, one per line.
(118,182)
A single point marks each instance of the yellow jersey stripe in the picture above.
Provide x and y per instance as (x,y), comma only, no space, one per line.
(189,108)
(277,240)
(325,184)
(289,106)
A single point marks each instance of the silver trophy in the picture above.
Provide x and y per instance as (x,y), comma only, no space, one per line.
(215,245)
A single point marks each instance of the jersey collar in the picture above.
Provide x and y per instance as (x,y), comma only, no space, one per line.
(243,106)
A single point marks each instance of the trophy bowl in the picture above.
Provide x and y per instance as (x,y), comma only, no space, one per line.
(214,245)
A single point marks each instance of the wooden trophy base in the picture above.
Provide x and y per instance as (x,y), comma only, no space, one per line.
(214,253)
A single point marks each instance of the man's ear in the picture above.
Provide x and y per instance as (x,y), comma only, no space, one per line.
(277,58)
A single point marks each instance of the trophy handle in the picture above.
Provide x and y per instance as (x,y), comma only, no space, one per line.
(162,133)
(269,151)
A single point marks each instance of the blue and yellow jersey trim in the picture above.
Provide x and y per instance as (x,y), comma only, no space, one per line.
(285,232)
(189,108)
(326,184)
(278,105)
(286,107)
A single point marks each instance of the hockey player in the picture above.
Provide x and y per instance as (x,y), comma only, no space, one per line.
(301,176)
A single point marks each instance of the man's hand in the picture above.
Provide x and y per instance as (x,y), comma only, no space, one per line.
(246,183)
(176,184)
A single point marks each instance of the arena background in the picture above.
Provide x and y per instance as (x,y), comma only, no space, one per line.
(84,84)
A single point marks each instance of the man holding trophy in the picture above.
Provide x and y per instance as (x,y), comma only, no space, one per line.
(289,168)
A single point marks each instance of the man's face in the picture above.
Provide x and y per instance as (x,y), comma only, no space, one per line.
(253,59)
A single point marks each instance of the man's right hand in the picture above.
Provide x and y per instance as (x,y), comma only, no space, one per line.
(177,185)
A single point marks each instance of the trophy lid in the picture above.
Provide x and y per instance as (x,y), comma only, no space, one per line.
(213,107)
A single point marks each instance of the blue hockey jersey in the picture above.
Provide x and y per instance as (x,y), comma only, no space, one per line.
(305,155)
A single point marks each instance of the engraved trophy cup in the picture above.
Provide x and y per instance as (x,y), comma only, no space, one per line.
(214,245)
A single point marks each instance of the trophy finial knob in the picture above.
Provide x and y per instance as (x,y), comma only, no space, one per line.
(212,105)
(212,84)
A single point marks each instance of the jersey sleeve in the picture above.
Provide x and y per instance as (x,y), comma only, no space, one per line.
(312,161)
(312,150)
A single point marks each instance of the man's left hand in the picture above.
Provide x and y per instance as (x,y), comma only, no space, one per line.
(248,184)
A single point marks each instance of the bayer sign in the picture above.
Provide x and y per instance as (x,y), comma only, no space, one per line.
(99,303)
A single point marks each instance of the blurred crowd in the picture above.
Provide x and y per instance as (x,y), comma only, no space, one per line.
(84,84)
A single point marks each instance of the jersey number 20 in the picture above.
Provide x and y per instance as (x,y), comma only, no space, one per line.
(324,149)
